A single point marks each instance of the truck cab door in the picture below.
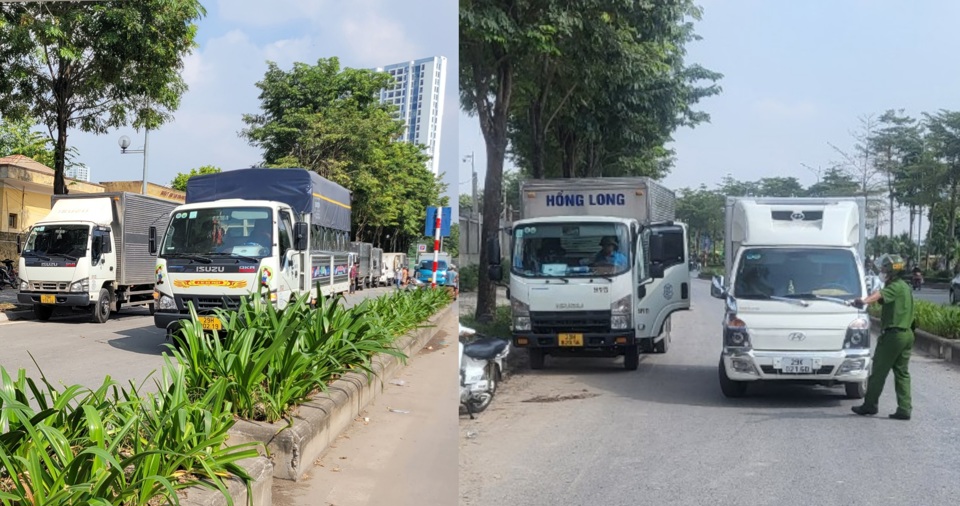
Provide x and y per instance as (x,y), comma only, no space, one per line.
(669,287)
(103,263)
(290,261)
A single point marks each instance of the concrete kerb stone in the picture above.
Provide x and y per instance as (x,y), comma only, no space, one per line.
(929,344)
(261,488)
(317,423)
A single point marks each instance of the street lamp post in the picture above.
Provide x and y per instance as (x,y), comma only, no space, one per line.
(125,143)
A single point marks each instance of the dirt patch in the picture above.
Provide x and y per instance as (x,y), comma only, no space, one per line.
(6,306)
(562,397)
(439,342)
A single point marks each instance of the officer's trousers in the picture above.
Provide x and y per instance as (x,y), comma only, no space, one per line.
(893,352)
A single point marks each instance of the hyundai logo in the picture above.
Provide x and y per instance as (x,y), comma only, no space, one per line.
(797,216)
(797,336)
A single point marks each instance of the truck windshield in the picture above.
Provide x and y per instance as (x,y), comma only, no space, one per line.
(797,273)
(243,231)
(571,249)
(58,240)
(428,265)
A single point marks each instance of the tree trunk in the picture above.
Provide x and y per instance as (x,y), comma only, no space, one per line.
(539,136)
(60,156)
(952,209)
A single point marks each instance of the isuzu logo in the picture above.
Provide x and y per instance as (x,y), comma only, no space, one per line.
(797,336)
(797,216)
(572,305)
(215,268)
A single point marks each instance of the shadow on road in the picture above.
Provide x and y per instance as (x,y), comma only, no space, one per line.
(147,340)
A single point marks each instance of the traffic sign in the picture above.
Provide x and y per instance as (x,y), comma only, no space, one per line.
(429,227)
(421,248)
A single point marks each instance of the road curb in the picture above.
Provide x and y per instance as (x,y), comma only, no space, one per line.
(294,447)
(929,344)
(261,487)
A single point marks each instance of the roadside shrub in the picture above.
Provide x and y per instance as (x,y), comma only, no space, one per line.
(273,360)
(109,446)
(943,321)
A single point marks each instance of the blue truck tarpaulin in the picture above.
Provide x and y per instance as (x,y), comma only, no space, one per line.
(304,191)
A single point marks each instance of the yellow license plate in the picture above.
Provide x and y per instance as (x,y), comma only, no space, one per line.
(48,299)
(570,339)
(210,323)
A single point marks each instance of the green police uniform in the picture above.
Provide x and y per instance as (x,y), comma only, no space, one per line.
(893,347)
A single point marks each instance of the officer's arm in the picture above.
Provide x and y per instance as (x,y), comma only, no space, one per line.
(873,297)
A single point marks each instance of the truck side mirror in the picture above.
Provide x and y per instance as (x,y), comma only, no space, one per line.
(716,287)
(152,240)
(19,244)
(493,251)
(656,249)
(495,272)
(301,232)
(657,270)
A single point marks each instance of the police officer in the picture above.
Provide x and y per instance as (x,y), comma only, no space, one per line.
(894,344)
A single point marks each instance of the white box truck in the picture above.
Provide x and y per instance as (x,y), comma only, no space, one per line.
(278,232)
(792,266)
(597,267)
(91,252)
(393,262)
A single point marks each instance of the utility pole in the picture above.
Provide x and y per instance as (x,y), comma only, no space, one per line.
(474,199)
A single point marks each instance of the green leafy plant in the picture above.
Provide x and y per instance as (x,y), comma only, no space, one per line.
(110,446)
(943,321)
(272,360)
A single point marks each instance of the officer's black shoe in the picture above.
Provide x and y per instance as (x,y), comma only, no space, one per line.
(900,415)
(863,410)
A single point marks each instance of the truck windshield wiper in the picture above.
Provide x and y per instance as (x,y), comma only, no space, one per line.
(35,254)
(565,280)
(818,297)
(234,255)
(64,255)
(188,256)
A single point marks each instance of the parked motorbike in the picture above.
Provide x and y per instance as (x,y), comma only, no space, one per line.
(8,275)
(481,368)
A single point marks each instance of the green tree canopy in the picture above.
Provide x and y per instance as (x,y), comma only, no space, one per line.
(180,182)
(329,120)
(93,65)
(19,138)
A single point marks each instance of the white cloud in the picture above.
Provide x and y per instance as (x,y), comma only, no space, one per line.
(263,13)
(777,109)
(376,41)
(285,52)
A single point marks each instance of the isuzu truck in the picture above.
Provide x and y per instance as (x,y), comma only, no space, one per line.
(792,267)
(597,268)
(91,254)
(276,232)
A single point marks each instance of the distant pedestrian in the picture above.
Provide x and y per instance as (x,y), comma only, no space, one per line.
(353,277)
(894,344)
(406,276)
(398,276)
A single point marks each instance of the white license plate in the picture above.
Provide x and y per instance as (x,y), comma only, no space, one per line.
(797,365)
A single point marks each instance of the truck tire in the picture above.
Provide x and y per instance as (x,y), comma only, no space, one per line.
(631,358)
(856,390)
(101,310)
(43,313)
(730,388)
(536,358)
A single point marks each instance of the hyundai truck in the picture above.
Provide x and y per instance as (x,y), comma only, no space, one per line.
(792,266)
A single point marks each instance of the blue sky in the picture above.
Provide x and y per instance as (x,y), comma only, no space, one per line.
(797,75)
(237,37)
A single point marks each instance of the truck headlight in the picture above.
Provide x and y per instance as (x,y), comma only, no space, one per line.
(80,286)
(521,316)
(858,335)
(735,334)
(24,285)
(166,302)
(621,312)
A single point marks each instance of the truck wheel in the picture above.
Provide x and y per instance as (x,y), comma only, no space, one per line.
(856,390)
(43,313)
(631,358)
(729,387)
(101,310)
(536,359)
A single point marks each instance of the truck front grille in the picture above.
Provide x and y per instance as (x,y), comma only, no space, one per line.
(585,322)
(206,304)
(49,286)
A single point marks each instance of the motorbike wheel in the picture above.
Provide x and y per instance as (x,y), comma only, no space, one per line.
(493,378)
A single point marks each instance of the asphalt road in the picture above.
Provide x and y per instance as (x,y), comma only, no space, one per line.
(587,432)
(72,350)
(935,295)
